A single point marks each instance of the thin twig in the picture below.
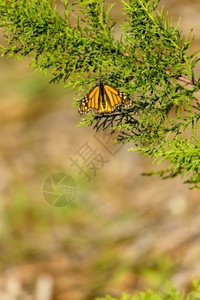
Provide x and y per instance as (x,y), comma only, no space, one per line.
(186,80)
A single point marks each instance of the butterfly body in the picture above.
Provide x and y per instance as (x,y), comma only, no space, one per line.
(101,86)
(103,99)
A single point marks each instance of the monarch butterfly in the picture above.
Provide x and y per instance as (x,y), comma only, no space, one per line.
(103,99)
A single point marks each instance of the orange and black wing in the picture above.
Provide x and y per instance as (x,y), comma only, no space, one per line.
(90,103)
(104,99)
(114,99)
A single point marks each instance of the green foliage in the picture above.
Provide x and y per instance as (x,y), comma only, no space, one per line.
(151,62)
(169,294)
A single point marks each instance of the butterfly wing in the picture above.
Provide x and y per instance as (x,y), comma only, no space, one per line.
(90,102)
(113,100)
(104,100)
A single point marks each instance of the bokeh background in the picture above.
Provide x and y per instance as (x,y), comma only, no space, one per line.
(122,232)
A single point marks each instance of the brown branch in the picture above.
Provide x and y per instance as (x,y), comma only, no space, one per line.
(180,77)
(186,80)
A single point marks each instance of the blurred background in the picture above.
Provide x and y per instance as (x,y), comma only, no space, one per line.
(122,232)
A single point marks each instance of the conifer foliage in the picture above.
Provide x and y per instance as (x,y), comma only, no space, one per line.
(152,63)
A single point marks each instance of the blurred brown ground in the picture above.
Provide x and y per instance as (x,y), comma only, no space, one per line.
(122,233)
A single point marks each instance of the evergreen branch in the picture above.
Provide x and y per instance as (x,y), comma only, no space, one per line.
(151,64)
